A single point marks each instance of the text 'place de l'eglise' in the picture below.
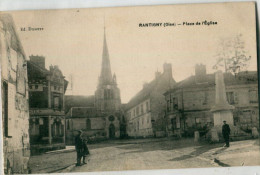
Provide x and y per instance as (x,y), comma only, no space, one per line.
(38,116)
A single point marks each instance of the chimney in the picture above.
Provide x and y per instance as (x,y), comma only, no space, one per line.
(200,73)
(38,60)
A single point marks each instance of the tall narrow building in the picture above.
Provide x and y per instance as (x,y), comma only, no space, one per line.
(107,95)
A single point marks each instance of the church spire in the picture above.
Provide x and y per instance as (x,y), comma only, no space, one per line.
(106,75)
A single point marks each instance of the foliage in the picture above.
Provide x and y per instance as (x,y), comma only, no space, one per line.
(232,55)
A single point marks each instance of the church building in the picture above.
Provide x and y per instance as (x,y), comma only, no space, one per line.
(99,116)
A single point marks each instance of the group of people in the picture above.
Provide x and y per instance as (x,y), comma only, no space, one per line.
(81,149)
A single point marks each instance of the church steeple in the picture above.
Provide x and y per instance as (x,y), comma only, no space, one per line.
(106,75)
(107,95)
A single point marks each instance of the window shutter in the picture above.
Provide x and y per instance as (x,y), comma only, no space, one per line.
(53,130)
(235,97)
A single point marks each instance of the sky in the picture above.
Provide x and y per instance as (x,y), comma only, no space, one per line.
(73,40)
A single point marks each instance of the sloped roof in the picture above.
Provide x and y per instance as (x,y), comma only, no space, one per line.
(32,68)
(148,88)
(142,94)
(246,77)
(78,101)
(82,112)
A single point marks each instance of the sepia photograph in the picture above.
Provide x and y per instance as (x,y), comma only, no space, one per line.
(129,88)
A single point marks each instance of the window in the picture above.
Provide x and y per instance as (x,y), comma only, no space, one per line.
(253,96)
(68,125)
(168,106)
(57,129)
(105,105)
(232,98)
(56,102)
(137,109)
(5,108)
(175,103)
(205,100)
(173,122)
(88,124)
(198,122)
(111,94)
(147,106)
(44,128)
(142,109)
(108,94)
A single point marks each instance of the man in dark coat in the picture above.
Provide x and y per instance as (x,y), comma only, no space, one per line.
(79,145)
(226,133)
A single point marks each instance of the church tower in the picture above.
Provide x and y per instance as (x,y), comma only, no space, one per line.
(107,95)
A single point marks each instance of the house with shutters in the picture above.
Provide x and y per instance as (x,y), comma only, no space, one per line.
(188,104)
(145,112)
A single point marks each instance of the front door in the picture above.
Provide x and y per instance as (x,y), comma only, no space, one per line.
(112,131)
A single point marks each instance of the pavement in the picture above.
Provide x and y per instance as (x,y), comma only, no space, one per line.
(240,153)
(154,153)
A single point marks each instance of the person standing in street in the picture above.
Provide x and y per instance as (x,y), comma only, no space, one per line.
(85,151)
(226,133)
(79,146)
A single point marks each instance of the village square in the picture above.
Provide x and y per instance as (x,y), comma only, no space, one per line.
(203,120)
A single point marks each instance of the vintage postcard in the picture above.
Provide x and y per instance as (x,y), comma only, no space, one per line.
(129,88)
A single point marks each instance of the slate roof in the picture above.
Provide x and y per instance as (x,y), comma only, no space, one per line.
(35,70)
(82,112)
(246,77)
(78,101)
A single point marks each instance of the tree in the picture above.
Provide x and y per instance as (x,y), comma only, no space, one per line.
(231,55)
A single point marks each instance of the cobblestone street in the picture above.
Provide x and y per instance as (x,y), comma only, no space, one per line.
(150,154)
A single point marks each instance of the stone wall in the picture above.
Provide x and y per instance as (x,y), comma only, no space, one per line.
(15,114)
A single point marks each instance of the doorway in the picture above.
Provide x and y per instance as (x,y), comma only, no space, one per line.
(111,131)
